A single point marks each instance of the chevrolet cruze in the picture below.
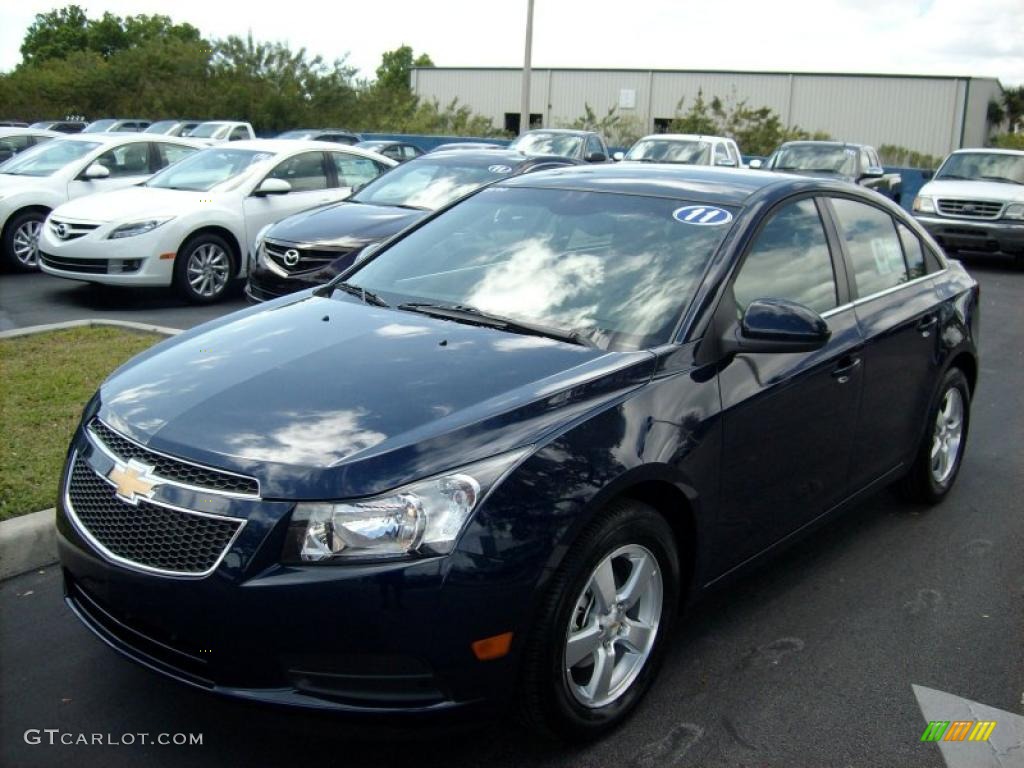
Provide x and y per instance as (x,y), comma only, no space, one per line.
(490,462)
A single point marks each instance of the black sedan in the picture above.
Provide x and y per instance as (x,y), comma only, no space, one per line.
(312,247)
(490,462)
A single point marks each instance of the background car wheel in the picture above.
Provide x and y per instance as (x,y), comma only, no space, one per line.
(203,268)
(21,241)
(603,625)
(938,460)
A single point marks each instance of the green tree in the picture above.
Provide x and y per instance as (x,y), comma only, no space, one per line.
(395,67)
(619,130)
(55,35)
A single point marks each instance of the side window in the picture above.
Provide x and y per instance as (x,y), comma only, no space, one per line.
(353,170)
(594,145)
(240,133)
(304,172)
(874,248)
(721,155)
(789,260)
(15,144)
(408,151)
(873,156)
(168,154)
(126,160)
(912,252)
(865,160)
(734,152)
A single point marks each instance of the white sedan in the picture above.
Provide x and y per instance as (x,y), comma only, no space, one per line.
(193,225)
(39,179)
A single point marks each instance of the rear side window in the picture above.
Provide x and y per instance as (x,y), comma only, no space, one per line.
(789,260)
(172,153)
(912,252)
(353,170)
(872,244)
(594,146)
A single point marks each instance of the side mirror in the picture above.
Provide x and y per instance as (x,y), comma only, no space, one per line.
(757,164)
(777,325)
(618,156)
(597,157)
(96,171)
(873,172)
(273,187)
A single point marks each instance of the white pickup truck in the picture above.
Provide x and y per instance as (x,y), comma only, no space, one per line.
(216,131)
(975,202)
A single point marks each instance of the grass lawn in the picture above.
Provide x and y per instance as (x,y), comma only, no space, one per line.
(45,381)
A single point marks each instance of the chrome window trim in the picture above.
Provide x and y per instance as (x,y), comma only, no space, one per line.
(97,441)
(879,294)
(80,528)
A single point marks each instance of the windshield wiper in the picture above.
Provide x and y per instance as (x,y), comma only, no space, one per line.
(954,176)
(1002,179)
(368,297)
(474,316)
(407,206)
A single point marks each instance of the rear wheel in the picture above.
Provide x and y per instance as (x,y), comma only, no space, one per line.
(603,626)
(938,460)
(203,268)
(21,240)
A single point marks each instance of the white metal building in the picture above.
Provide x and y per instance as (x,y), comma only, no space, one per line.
(923,113)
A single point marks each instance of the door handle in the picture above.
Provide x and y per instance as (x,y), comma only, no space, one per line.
(924,327)
(845,369)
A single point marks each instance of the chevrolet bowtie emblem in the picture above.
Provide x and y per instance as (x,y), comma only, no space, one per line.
(133,481)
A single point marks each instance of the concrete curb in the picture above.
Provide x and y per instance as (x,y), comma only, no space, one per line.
(129,324)
(27,542)
(30,541)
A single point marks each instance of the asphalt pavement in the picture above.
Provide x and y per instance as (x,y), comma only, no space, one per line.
(808,661)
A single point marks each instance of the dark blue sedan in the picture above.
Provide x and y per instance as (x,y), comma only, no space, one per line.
(489,463)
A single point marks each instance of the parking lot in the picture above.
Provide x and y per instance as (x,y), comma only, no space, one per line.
(808,661)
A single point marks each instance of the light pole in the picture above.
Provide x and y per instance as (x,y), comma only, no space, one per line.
(524,111)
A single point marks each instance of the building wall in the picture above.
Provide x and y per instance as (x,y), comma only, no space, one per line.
(925,114)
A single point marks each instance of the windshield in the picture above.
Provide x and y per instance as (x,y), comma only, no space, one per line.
(47,159)
(206,169)
(983,166)
(209,130)
(98,126)
(560,144)
(161,127)
(808,157)
(671,151)
(428,184)
(618,268)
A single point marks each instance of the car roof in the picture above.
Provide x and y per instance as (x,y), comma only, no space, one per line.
(14,130)
(990,150)
(684,137)
(726,186)
(807,142)
(292,145)
(567,131)
(126,138)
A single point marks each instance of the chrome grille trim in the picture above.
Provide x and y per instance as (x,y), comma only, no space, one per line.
(311,257)
(153,458)
(970,209)
(113,557)
(72,229)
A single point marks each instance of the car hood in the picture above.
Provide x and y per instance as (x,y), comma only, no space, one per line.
(132,203)
(974,190)
(330,398)
(343,223)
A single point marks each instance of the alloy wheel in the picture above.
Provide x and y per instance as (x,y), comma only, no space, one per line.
(947,436)
(26,242)
(613,626)
(208,269)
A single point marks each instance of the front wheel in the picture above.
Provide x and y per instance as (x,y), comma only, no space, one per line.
(938,460)
(21,241)
(603,626)
(203,268)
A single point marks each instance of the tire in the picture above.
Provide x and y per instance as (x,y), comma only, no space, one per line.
(204,268)
(932,476)
(21,240)
(572,704)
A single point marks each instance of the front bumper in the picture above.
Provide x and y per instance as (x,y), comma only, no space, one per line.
(264,285)
(391,637)
(129,261)
(972,235)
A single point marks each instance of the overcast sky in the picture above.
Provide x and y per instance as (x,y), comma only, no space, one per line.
(948,37)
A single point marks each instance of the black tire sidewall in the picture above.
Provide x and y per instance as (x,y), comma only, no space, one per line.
(628,523)
(8,244)
(180,280)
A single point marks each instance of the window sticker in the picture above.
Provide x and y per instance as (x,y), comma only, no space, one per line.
(499,169)
(887,254)
(702,215)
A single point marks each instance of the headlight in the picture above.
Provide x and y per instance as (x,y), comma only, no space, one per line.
(1014,211)
(425,517)
(137,228)
(924,204)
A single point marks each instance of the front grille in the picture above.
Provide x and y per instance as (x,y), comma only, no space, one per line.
(72,230)
(309,259)
(148,535)
(85,266)
(970,209)
(174,470)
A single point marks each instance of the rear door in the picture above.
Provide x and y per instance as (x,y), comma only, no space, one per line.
(789,419)
(897,310)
